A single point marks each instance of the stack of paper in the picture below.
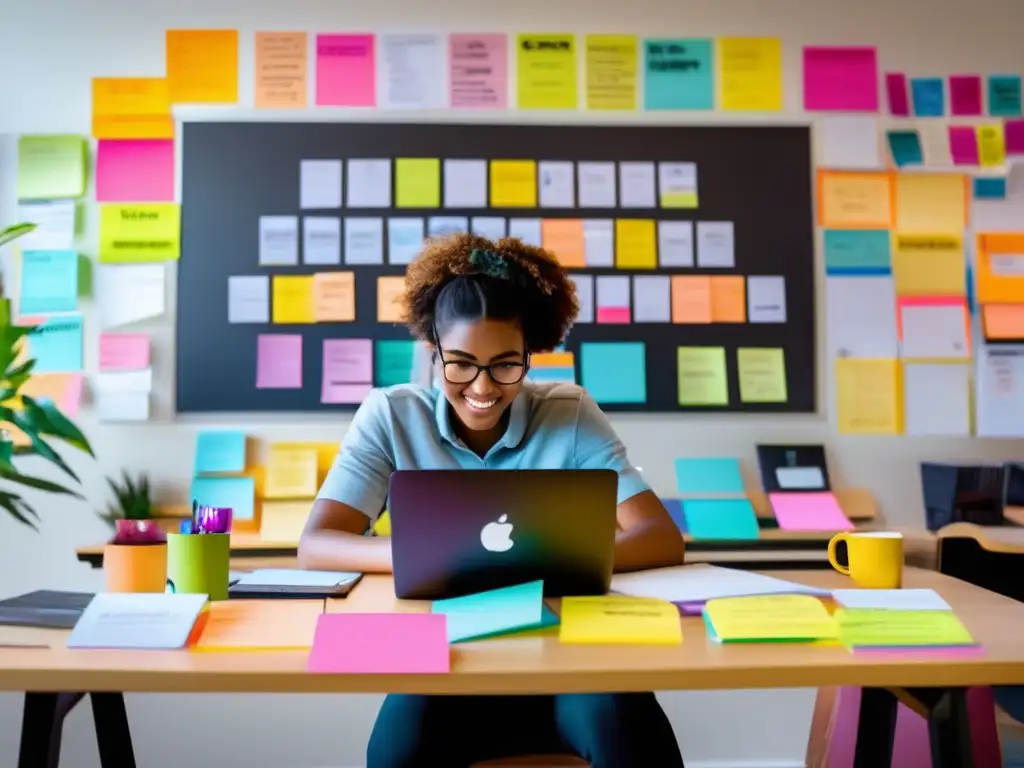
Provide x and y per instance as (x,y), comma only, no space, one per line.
(898,619)
(616,619)
(157,621)
(769,618)
(496,612)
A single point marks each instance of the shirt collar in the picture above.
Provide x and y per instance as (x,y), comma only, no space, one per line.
(519,415)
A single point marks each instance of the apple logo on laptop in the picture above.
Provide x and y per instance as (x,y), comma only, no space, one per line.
(497,536)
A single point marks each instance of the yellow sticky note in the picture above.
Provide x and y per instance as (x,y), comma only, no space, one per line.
(282,521)
(929,265)
(334,297)
(325,455)
(291,474)
(864,627)
(702,376)
(728,299)
(383,525)
(417,182)
(636,244)
(762,374)
(292,299)
(855,200)
(513,184)
(796,618)
(202,66)
(991,145)
(390,292)
(546,71)
(931,202)
(618,619)
(691,299)
(563,238)
(611,71)
(131,108)
(750,73)
(869,396)
(139,232)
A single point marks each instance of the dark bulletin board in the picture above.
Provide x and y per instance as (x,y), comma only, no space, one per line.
(758,177)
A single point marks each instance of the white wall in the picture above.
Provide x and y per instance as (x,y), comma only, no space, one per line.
(51,49)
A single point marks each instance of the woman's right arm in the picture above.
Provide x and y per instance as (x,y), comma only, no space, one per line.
(334,540)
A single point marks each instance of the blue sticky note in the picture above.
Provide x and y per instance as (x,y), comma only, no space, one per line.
(929,96)
(905,148)
(720,519)
(239,493)
(708,476)
(1004,95)
(858,251)
(49,282)
(56,344)
(441,226)
(678,74)
(614,371)
(989,188)
(220,452)
(567,375)
(674,507)
(495,612)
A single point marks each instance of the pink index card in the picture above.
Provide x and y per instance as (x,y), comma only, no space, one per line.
(478,71)
(897,93)
(278,361)
(1013,135)
(963,145)
(613,315)
(135,171)
(965,95)
(841,79)
(348,370)
(345,71)
(124,351)
(809,512)
(381,644)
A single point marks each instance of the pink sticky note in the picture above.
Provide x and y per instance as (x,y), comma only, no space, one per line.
(897,93)
(809,512)
(381,644)
(135,171)
(124,351)
(963,145)
(841,79)
(278,361)
(965,95)
(613,315)
(1013,135)
(345,71)
(478,71)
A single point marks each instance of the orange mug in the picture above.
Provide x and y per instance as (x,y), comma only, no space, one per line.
(875,558)
(135,567)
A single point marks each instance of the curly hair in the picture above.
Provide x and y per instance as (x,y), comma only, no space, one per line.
(465,277)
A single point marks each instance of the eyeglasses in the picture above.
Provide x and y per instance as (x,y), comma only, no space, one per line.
(464,372)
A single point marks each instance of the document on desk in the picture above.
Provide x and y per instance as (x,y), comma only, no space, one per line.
(769,618)
(380,644)
(495,612)
(616,619)
(891,599)
(259,625)
(137,621)
(687,584)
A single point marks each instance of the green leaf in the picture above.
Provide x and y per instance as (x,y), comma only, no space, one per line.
(25,369)
(42,448)
(19,509)
(57,424)
(13,232)
(13,476)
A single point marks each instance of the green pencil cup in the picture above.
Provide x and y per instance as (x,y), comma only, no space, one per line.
(199,563)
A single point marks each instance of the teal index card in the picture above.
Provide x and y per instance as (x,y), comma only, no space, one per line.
(857,251)
(394,361)
(1004,95)
(495,612)
(49,282)
(56,344)
(220,452)
(679,74)
(614,371)
(905,148)
(720,519)
(238,493)
(708,475)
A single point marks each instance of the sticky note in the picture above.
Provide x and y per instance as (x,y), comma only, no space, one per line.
(989,188)
(238,493)
(292,299)
(124,351)
(1013,136)
(636,244)
(963,145)
(333,297)
(139,232)
(478,71)
(613,299)
(770,618)
(965,95)
(417,182)
(393,361)
(652,299)
(679,74)
(546,71)
(51,167)
(841,79)
(553,366)
(513,184)
(564,239)
(281,71)
(750,74)
(855,200)
(345,71)
(259,625)
(62,389)
(991,145)
(819,511)
(931,202)
(905,148)
(220,451)
(291,473)
(611,71)
(897,94)
(136,171)
(49,282)
(1004,95)
(390,292)
(495,612)
(864,627)
(691,299)
(56,343)
(702,378)
(928,265)
(381,644)
(929,96)
(202,66)
(279,361)
(891,599)
(762,374)
(616,619)
(348,361)
(728,299)
(1003,322)
(869,396)
(614,372)
(131,108)
(706,475)
(857,251)
(721,519)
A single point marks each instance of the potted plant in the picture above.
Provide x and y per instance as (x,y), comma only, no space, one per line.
(131,499)
(136,558)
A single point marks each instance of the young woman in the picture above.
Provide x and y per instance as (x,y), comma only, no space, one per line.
(483,308)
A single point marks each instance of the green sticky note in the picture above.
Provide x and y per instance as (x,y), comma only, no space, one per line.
(702,376)
(495,612)
(867,628)
(238,493)
(679,74)
(613,371)
(417,182)
(393,362)
(220,452)
(49,282)
(762,374)
(720,519)
(1004,95)
(56,344)
(51,167)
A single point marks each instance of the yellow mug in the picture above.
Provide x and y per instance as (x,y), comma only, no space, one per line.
(875,558)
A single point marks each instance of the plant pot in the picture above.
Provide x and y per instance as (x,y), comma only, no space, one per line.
(135,567)
(198,563)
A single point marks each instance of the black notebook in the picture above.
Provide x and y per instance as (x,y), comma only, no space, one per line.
(45,608)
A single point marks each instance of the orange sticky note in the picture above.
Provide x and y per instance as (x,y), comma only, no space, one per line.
(728,299)
(551,360)
(390,291)
(1000,272)
(691,299)
(855,200)
(1003,322)
(564,239)
(64,389)
(334,297)
(292,299)
(131,108)
(259,625)
(202,66)
(282,67)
